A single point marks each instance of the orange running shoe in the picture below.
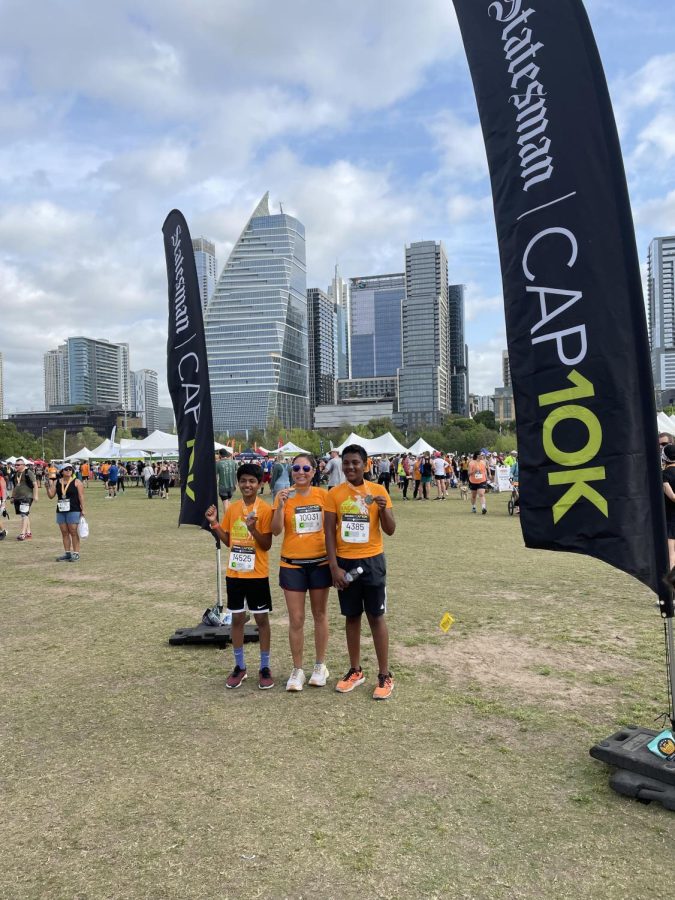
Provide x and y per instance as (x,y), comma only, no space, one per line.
(352,679)
(385,685)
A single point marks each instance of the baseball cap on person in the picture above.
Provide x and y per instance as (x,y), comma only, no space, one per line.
(669,452)
(65,465)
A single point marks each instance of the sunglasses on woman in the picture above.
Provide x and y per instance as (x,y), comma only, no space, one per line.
(302,468)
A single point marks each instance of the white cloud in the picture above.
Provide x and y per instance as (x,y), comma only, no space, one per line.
(460,146)
(485,363)
(658,215)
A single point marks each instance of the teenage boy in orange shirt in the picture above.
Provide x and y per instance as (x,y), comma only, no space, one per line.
(247,530)
(355,515)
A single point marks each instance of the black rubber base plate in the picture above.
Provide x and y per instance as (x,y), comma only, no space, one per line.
(631,784)
(640,773)
(211,635)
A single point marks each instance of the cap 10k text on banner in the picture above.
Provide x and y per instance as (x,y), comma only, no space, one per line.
(590,478)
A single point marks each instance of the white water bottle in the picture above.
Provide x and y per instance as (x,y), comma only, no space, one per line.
(353,574)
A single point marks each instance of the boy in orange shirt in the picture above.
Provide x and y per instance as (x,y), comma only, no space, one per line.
(247,530)
(355,515)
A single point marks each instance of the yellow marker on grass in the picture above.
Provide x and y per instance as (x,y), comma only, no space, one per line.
(446,622)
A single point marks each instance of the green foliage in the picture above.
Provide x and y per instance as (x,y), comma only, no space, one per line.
(18,443)
(87,438)
(486,417)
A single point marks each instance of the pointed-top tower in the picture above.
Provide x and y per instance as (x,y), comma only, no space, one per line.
(256,328)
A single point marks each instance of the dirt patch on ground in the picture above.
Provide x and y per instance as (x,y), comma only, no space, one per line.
(562,678)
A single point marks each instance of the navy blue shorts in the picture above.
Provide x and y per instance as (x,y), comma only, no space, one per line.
(305,578)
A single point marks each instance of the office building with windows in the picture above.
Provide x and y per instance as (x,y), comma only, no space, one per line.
(506,369)
(357,390)
(88,372)
(338,291)
(256,328)
(206,262)
(424,377)
(459,352)
(145,397)
(375,323)
(661,310)
(322,346)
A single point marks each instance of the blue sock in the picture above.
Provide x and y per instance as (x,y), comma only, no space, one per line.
(239,657)
(264,659)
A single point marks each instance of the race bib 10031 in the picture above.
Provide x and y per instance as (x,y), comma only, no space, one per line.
(308,519)
(355,529)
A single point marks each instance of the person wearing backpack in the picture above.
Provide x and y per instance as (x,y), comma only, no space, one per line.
(25,493)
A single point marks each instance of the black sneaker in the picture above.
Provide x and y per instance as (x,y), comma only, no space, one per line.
(65,557)
(484,511)
(74,557)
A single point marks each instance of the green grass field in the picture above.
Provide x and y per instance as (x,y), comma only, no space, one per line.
(129,772)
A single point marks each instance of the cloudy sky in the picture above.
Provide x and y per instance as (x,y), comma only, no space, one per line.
(358,116)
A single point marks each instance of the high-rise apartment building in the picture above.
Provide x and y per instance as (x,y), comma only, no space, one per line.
(506,369)
(256,328)
(459,352)
(661,310)
(207,275)
(424,377)
(145,397)
(322,345)
(87,372)
(338,291)
(375,320)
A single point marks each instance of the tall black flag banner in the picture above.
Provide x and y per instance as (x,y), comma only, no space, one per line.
(590,477)
(188,375)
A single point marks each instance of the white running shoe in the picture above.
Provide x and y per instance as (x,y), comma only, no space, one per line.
(319,676)
(296,681)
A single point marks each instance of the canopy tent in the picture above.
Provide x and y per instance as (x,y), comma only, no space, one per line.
(11,459)
(421,446)
(665,423)
(157,442)
(217,446)
(289,447)
(263,450)
(84,453)
(106,450)
(385,445)
(353,439)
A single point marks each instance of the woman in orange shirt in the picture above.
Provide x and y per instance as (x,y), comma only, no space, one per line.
(298,512)
(478,481)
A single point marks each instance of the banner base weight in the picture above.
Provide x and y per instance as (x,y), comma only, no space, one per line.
(640,773)
(211,635)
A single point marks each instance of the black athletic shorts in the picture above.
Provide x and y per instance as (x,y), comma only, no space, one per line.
(369,592)
(248,593)
(226,495)
(671,528)
(480,486)
(305,578)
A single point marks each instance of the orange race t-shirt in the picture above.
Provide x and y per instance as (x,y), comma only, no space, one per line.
(477,471)
(358,523)
(246,558)
(304,537)
(104,468)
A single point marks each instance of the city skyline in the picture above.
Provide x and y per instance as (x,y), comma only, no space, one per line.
(202,108)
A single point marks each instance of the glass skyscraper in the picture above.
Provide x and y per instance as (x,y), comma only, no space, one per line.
(205,260)
(322,327)
(661,309)
(256,328)
(88,372)
(459,365)
(375,314)
(424,381)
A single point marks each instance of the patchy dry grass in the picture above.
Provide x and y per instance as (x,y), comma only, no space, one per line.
(128,772)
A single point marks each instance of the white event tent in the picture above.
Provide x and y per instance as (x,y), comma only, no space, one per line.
(289,448)
(383,445)
(421,446)
(665,423)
